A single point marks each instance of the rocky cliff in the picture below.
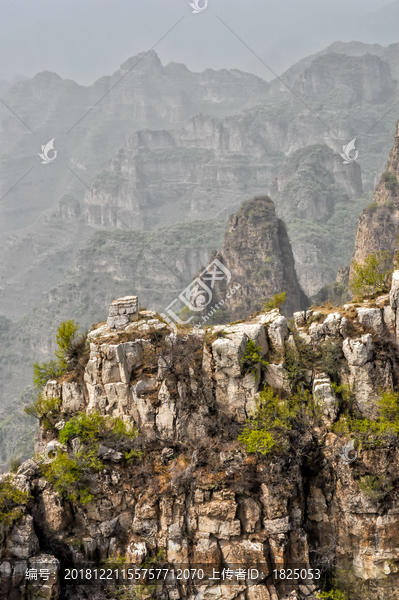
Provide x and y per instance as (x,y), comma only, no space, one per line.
(206,168)
(258,254)
(139,465)
(379,223)
(162,264)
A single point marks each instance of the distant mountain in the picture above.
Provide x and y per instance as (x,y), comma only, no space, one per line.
(379,222)
(83,40)
(149,96)
(166,149)
(206,168)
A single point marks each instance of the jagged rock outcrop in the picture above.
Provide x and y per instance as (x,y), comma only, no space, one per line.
(195,496)
(312,189)
(258,254)
(379,224)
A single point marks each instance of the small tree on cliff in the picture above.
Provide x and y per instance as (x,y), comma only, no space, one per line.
(65,336)
(373,275)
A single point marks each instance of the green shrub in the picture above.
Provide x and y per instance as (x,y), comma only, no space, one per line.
(294,368)
(68,475)
(333,595)
(93,427)
(15,463)
(66,333)
(372,206)
(390,180)
(374,432)
(133,455)
(252,358)
(11,499)
(42,373)
(299,360)
(373,275)
(335,292)
(88,428)
(345,391)
(331,358)
(267,429)
(275,302)
(44,408)
(375,488)
(389,406)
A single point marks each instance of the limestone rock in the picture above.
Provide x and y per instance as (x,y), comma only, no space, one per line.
(121,360)
(325,397)
(357,352)
(167,455)
(165,418)
(300,318)
(122,312)
(277,526)
(233,391)
(51,588)
(275,503)
(332,324)
(258,592)
(243,552)
(52,389)
(389,318)
(206,551)
(56,515)
(251,513)
(277,328)
(109,454)
(72,397)
(394,293)
(317,506)
(23,542)
(257,241)
(137,552)
(144,413)
(371,318)
(29,468)
(276,377)
(101,331)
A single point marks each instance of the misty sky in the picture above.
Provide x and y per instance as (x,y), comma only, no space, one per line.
(90,38)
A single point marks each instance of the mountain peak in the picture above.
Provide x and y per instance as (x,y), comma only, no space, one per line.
(143,61)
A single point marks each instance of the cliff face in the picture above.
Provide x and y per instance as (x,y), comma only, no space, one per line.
(369,79)
(258,253)
(195,171)
(164,262)
(379,224)
(184,491)
(151,96)
(320,202)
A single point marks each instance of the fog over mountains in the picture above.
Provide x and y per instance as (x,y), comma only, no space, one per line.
(84,40)
(153,159)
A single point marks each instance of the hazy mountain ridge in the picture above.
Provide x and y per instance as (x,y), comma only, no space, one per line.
(215,164)
(160,264)
(209,166)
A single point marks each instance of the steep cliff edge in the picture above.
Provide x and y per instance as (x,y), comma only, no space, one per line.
(179,490)
(258,254)
(379,223)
